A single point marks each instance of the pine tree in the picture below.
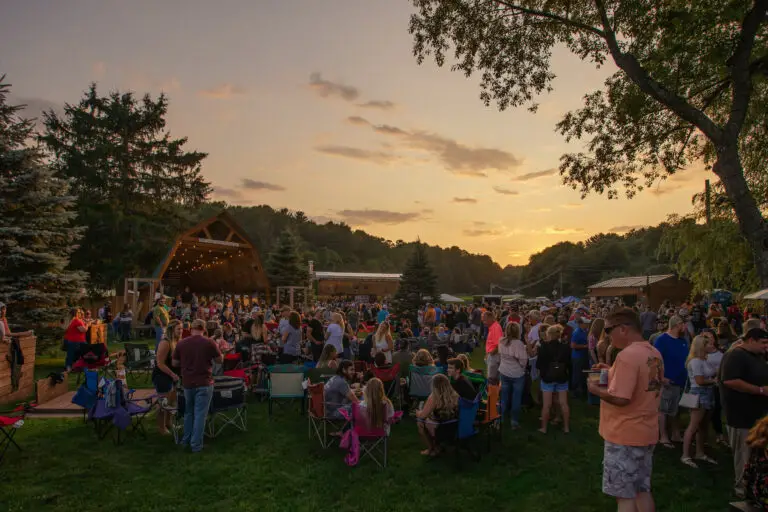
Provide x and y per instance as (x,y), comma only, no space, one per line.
(285,265)
(418,283)
(131,179)
(36,233)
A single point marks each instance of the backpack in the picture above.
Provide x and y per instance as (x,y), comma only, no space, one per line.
(557,371)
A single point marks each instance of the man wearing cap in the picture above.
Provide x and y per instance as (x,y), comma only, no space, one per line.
(744,392)
(674,352)
(579,356)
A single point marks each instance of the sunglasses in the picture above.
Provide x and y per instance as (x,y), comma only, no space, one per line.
(608,329)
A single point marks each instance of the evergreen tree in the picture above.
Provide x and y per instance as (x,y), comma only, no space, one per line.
(36,233)
(418,283)
(286,266)
(131,180)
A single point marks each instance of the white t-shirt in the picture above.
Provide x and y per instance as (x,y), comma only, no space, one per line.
(533,333)
(335,335)
(699,368)
(382,345)
(714,359)
(2,328)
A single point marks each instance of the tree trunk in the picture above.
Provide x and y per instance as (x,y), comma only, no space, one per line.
(751,222)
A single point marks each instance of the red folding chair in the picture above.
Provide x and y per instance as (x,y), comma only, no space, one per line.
(326,430)
(390,377)
(8,427)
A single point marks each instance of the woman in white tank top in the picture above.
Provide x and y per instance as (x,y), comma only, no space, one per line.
(382,341)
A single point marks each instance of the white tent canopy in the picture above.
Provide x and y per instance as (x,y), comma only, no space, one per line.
(761,295)
(444,297)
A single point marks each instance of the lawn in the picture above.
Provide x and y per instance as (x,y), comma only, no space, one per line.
(274,466)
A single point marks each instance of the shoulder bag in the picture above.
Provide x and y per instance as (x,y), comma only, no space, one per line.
(689,400)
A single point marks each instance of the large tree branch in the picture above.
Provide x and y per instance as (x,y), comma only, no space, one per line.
(551,16)
(741,69)
(635,71)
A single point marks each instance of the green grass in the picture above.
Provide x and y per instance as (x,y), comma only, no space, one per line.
(274,466)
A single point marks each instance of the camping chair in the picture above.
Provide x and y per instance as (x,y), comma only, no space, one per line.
(390,377)
(284,384)
(463,430)
(373,442)
(93,357)
(316,375)
(420,381)
(360,366)
(228,406)
(87,393)
(9,425)
(491,418)
(477,379)
(322,426)
(138,359)
(128,414)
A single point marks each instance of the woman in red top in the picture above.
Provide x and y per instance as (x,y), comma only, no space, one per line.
(74,337)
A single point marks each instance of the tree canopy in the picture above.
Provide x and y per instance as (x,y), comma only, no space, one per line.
(36,232)
(690,87)
(130,177)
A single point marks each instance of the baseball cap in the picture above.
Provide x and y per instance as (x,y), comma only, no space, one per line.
(756,334)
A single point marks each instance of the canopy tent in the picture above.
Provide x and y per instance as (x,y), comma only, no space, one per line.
(759,295)
(214,256)
(445,298)
(515,296)
(568,300)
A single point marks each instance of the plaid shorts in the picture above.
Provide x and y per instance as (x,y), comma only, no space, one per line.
(670,400)
(627,470)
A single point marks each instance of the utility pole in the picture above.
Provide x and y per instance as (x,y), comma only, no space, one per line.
(708,202)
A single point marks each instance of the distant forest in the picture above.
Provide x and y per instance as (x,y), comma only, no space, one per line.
(337,247)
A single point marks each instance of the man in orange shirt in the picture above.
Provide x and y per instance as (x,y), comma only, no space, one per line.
(629,413)
(492,356)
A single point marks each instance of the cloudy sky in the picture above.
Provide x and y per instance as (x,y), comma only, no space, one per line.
(320,106)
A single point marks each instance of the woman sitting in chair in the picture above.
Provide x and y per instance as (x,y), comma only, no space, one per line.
(467,366)
(328,358)
(376,407)
(423,358)
(441,405)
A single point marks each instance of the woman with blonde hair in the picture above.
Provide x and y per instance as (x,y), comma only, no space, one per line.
(554,365)
(596,332)
(441,405)
(376,407)
(164,376)
(382,341)
(756,469)
(328,358)
(514,359)
(467,366)
(423,358)
(701,379)
(334,333)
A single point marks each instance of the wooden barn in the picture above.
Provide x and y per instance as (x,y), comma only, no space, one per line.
(354,284)
(653,290)
(212,257)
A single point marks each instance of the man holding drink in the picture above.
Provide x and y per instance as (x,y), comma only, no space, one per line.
(629,413)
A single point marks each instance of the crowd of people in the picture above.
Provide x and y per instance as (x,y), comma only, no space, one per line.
(642,366)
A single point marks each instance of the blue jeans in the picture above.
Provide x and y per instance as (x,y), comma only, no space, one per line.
(578,377)
(512,396)
(196,404)
(73,351)
(159,332)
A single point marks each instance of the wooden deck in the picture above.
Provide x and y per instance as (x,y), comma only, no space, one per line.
(62,406)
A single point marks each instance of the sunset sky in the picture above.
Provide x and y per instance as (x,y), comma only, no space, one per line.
(320,106)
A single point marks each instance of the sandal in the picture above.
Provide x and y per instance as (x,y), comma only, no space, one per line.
(688,462)
(667,445)
(707,459)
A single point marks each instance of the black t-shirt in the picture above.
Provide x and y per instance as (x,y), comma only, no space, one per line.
(450,319)
(464,388)
(743,410)
(317,330)
(462,318)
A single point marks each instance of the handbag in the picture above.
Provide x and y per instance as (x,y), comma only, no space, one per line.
(689,400)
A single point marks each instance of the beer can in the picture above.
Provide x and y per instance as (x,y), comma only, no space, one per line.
(603,377)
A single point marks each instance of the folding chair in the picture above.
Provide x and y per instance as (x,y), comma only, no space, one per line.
(228,406)
(373,442)
(466,428)
(316,375)
(138,359)
(285,384)
(319,424)
(420,381)
(390,377)
(9,425)
(360,366)
(491,418)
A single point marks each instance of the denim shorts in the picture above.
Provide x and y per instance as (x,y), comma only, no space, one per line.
(554,387)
